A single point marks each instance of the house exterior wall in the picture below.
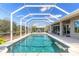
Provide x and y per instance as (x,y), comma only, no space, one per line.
(72,27)
(72,30)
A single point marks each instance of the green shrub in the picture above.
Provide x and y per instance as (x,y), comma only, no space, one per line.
(2,41)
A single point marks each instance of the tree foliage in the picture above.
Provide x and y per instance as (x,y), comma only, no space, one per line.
(5,26)
(33,28)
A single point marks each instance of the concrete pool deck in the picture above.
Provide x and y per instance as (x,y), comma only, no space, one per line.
(74,48)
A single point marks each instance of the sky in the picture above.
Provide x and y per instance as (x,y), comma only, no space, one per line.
(7,8)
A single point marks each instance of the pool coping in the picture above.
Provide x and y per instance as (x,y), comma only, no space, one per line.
(57,39)
(15,40)
(65,43)
(12,42)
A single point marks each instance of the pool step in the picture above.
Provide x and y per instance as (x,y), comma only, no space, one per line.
(61,47)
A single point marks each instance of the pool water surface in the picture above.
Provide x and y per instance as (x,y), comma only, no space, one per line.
(35,43)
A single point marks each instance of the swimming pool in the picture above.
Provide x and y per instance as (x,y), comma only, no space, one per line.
(37,43)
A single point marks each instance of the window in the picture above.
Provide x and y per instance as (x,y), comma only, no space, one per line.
(76,26)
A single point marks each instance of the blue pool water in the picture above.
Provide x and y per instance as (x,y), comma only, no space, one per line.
(35,43)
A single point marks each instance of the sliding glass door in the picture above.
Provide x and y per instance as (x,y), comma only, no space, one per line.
(66,30)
